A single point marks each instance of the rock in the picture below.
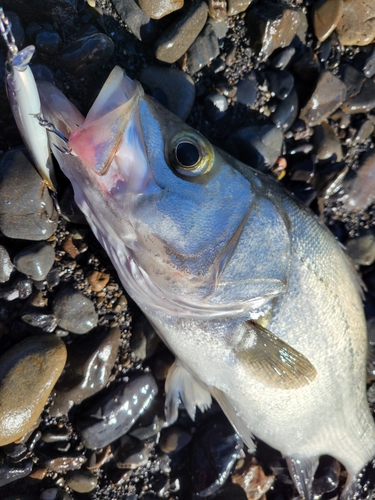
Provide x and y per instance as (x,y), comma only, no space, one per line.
(85,56)
(369,67)
(65,463)
(56,434)
(20,288)
(329,94)
(360,91)
(252,479)
(74,311)
(247,89)
(357,23)
(365,131)
(203,50)
(327,144)
(144,340)
(177,85)
(280,83)
(360,187)
(10,473)
(47,322)
(176,40)
(26,208)
(28,373)
(282,58)
(138,21)
(6,266)
(47,42)
(271,26)
(362,249)
(35,261)
(256,145)
(117,412)
(327,476)
(237,6)
(286,112)
(216,106)
(82,481)
(132,454)
(97,280)
(157,9)
(327,14)
(173,439)
(217,9)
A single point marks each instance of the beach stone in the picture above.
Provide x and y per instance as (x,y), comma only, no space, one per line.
(327,144)
(280,83)
(362,249)
(282,58)
(139,23)
(237,6)
(177,85)
(74,311)
(82,481)
(28,373)
(357,23)
(217,9)
(157,9)
(369,67)
(327,14)
(247,89)
(6,266)
(26,207)
(329,94)
(35,261)
(360,91)
(360,186)
(271,26)
(286,112)
(203,50)
(97,280)
(176,40)
(10,473)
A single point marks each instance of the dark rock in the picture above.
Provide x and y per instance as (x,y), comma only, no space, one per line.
(82,481)
(325,50)
(26,208)
(173,439)
(138,21)
(280,83)
(10,473)
(47,42)
(74,311)
(282,58)
(327,476)
(56,435)
(360,96)
(35,260)
(20,288)
(203,50)
(17,29)
(360,187)
(327,144)
(286,112)
(47,322)
(247,89)
(144,340)
(176,40)
(87,55)
(369,68)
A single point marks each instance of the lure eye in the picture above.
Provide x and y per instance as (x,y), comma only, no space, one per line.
(191,154)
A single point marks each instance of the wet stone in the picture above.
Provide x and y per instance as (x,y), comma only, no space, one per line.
(47,322)
(20,288)
(82,481)
(173,439)
(133,458)
(362,248)
(327,476)
(179,37)
(26,208)
(216,105)
(237,6)
(47,42)
(327,14)
(65,463)
(28,373)
(286,112)
(115,414)
(217,9)
(56,435)
(144,340)
(364,132)
(282,59)
(359,187)
(10,473)
(329,179)
(138,21)
(6,266)
(325,50)
(74,311)
(35,260)
(256,145)
(357,23)
(327,144)
(280,83)
(220,28)
(252,479)
(177,86)
(307,67)
(87,55)
(329,94)
(203,50)
(271,26)
(247,90)
(157,9)
(97,280)
(363,102)
(369,67)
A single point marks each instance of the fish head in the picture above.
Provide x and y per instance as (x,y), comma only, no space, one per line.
(166,205)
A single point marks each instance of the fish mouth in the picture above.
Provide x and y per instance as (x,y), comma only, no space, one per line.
(110,141)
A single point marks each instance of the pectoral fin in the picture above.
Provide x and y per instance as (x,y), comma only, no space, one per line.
(272,361)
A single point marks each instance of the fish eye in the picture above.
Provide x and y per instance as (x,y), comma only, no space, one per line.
(191,154)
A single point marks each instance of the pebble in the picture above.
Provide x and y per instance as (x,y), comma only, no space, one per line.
(82,481)
(360,187)
(63,464)
(173,439)
(56,434)
(26,208)
(329,94)
(203,50)
(327,476)
(116,413)
(97,280)
(47,42)
(139,23)
(327,14)
(86,55)
(360,91)
(282,58)
(144,339)
(247,89)
(89,369)
(47,322)
(369,67)
(280,83)
(35,260)
(327,144)
(362,248)
(252,479)
(220,28)
(364,132)
(217,9)
(271,26)
(286,112)
(176,40)
(157,9)
(28,373)
(177,85)
(216,105)
(256,145)
(237,6)
(329,179)
(357,23)
(20,288)
(10,473)
(74,311)
(133,457)
(6,266)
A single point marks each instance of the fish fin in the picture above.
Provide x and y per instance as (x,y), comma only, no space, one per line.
(234,418)
(182,386)
(302,471)
(271,360)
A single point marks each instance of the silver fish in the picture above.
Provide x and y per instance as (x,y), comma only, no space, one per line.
(249,290)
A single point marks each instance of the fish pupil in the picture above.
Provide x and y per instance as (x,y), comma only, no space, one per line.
(187,154)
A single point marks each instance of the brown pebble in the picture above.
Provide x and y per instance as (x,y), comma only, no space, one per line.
(97,280)
(327,14)
(63,464)
(70,248)
(39,473)
(252,479)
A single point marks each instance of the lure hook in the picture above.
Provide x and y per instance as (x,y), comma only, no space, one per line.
(50,127)
(6,32)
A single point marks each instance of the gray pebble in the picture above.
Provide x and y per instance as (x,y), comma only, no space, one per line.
(360,91)
(286,112)
(47,322)
(173,439)
(133,454)
(21,288)
(26,208)
(360,186)
(157,9)
(247,89)
(327,144)
(35,260)
(362,248)
(6,266)
(47,42)
(178,87)
(369,68)
(220,27)
(137,21)
(82,481)
(74,311)
(280,83)
(216,105)
(364,132)
(329,94)
(176,40)
(203,50)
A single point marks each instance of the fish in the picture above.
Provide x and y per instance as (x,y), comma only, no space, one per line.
(249,290)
